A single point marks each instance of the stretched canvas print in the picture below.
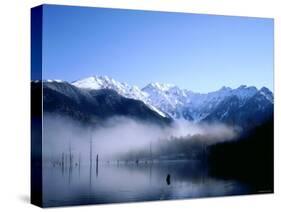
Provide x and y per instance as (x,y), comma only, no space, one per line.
(131,105)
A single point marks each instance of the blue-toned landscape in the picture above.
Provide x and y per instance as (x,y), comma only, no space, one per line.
(104,141)
(143,105)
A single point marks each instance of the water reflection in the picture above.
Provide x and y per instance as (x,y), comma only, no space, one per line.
(168,179)
(97,165)
(131,181)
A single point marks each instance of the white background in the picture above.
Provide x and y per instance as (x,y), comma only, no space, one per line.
(15,106)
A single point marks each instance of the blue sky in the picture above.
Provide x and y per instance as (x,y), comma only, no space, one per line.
(197,52)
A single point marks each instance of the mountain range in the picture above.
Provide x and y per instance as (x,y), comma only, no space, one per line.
(245,106)
(92,106)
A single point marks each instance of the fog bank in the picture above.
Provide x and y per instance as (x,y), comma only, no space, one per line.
(121,135)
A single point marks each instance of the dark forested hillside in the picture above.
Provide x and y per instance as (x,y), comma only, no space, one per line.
(250,158)
(93,106)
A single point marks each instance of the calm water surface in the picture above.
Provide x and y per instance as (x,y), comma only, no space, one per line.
(113,183)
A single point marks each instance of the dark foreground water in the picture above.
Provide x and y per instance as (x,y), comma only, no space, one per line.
(114,183)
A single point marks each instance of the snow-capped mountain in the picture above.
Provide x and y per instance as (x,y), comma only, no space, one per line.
(104,82)
(91,106)
(170,100)
(181,103)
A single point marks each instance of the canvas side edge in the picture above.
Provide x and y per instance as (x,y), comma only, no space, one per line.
(36,106)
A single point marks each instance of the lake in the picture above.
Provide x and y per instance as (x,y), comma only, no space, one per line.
(113,182)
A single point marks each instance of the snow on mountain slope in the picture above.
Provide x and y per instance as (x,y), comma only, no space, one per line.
(201,105)
(104,82)
(267,94)
(170,99)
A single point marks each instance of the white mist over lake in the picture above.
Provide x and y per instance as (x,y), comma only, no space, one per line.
(120,135)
